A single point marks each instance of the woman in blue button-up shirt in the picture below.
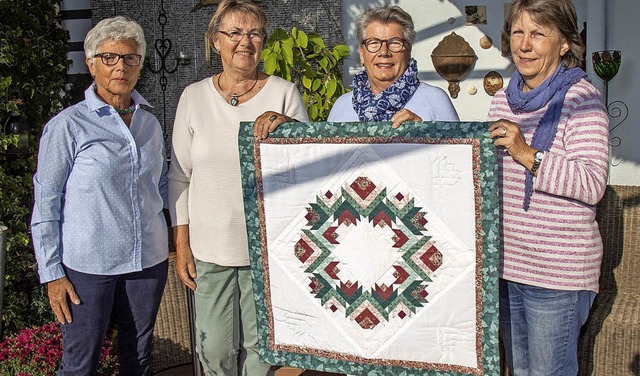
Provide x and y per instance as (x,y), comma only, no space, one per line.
(99,233)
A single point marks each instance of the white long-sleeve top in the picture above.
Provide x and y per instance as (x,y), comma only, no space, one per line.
(205,189)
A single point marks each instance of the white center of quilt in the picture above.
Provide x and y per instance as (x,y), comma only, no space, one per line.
(365,251)
(359,264)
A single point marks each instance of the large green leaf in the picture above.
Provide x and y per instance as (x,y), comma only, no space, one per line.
(302,39)
(341,51)
(332,85)
(306,82)
(270,61)
(287,50)
(316,40)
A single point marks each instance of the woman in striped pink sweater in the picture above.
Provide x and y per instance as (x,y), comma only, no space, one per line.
(551,128)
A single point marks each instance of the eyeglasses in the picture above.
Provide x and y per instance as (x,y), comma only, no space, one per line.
(236,36)
(110,59)
(374,45)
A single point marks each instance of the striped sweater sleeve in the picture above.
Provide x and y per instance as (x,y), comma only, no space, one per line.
(580,171)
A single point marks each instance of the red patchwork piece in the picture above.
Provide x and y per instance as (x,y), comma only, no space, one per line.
(381,217)
(347,218)
(367,320)
(432,258)
(400,274)
(302,250)
(333,270)
(349,288)
(384,291)
(331,235)
(363,186)
(400,238)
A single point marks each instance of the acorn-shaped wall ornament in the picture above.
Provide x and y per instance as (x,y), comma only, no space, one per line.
(486,42)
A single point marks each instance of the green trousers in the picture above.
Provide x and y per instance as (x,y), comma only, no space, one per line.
(226,327)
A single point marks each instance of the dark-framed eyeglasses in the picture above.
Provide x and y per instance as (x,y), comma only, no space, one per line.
(110,59)
(236,36)
(374,45)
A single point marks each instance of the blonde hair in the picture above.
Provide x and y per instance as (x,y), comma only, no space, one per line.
(227,7)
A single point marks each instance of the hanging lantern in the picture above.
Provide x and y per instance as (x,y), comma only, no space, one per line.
(17,125)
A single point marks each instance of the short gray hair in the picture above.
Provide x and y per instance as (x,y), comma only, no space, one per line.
(387,14)
(116,28)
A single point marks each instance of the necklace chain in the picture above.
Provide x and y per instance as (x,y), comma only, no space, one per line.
(127,110)
(234,97)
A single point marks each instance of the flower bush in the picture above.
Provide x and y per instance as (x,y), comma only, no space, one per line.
(37,351)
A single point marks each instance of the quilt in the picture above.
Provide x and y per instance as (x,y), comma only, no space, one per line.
(373,250)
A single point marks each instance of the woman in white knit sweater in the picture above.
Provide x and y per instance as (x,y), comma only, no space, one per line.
(205,186)
(552,129)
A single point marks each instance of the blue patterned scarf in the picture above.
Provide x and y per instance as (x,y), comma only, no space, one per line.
(382,106)
(552,91)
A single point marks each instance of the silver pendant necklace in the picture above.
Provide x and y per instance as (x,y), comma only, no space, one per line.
(234,97)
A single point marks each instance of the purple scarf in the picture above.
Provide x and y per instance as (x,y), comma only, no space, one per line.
(552,91)
(382,106)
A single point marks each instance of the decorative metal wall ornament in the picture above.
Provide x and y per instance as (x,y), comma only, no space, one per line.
(453,59)
(492,82)
(475,14)
(606,65)
(163,46)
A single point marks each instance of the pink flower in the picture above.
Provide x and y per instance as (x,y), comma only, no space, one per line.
(37,351)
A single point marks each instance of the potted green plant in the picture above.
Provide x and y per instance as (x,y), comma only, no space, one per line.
(306,60)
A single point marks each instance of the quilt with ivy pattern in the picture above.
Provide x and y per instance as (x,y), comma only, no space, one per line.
(374,250)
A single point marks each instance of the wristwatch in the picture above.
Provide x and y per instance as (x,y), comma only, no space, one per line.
(537,159)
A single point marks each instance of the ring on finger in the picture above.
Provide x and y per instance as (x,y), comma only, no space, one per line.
(273,117)
(504,132)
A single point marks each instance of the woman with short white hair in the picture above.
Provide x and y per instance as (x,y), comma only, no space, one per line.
(99,233)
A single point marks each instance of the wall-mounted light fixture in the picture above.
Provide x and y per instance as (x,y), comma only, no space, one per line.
(16,125)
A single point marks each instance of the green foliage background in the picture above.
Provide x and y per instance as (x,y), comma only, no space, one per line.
(33,68)
(306,60)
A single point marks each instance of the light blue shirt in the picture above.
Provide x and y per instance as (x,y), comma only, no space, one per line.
(99,191)
(429,102)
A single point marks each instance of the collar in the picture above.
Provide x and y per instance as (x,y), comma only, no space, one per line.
(94,103)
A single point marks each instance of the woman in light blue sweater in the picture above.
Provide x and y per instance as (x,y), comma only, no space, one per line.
(389,89)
